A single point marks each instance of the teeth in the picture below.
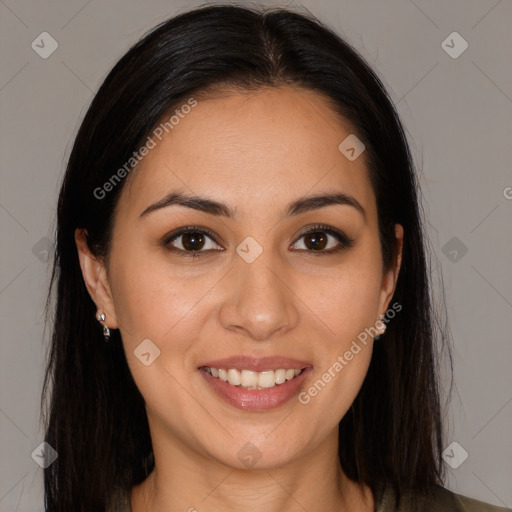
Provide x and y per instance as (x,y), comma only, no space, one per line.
(248,379)
(234,377)
(280,376)
(267,379)
(253,380)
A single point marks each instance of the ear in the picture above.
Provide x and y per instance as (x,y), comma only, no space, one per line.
(390,277)
(95,278)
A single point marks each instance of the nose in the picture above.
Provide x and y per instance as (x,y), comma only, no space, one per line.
(260,302)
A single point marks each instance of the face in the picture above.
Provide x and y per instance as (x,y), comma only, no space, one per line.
(243,279)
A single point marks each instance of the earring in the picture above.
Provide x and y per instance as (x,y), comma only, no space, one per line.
(381,330)
(106,330)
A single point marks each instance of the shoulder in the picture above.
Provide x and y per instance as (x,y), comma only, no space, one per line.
(466,504)
(439,500)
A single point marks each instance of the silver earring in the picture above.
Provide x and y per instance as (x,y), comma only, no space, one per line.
(382,330)
(106,330)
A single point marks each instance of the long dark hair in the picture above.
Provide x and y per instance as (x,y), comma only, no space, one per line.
(96,419)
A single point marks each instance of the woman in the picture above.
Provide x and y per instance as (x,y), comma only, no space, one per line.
(243,311)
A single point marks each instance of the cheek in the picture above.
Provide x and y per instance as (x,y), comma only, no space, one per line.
(344,311)
(153,302)
(346,307)
(346,300)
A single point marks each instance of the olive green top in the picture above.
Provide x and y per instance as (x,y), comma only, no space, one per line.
(442,500)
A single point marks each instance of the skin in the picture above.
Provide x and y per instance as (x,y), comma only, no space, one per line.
(256,152)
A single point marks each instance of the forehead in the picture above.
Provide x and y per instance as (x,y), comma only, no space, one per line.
(251,150)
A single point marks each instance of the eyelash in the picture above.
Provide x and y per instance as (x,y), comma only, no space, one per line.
(345,242)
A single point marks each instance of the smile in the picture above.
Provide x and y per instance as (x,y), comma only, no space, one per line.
(247,379)
(255,391)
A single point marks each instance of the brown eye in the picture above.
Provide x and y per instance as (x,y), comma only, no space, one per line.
(315,241)
(191,240)
(322,240)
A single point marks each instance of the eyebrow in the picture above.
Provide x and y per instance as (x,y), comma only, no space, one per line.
(209,206)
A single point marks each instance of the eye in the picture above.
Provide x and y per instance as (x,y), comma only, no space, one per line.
(320,237)
(192,240)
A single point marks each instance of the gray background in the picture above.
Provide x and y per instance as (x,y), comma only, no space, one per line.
(458,115)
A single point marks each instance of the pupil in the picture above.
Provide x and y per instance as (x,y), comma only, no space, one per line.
(318,240)
(193,241)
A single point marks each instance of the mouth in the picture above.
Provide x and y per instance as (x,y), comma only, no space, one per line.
(247,379)
(255,384)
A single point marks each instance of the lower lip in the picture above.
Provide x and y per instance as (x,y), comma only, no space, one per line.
(253,399)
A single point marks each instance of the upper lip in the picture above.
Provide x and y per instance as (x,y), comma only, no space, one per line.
(256,364)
